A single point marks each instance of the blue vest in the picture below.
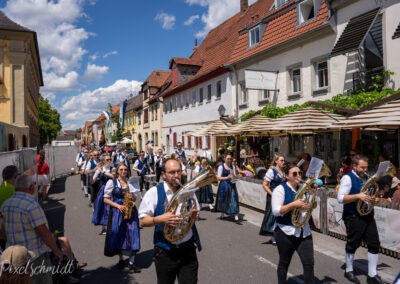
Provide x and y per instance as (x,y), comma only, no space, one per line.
(356,185)
(141,166)
(181,155)
(289,197)
(276,180)
(158,239)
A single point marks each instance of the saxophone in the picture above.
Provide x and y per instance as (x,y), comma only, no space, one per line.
(129,202)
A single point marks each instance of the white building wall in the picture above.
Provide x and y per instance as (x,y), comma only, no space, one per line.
(390,10)
(391,46)
(303,56)
(185,119)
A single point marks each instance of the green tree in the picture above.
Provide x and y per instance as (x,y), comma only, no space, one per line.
(118,134)
(49,121)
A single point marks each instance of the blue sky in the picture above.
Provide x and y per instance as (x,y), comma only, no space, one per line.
(99,51)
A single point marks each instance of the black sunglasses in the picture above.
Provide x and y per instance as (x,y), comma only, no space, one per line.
(297,173)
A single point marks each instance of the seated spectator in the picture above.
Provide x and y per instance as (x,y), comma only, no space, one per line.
(32,231)
(396,190)
(15,258)
(7,189)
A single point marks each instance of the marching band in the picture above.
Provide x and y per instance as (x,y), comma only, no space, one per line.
(286,220)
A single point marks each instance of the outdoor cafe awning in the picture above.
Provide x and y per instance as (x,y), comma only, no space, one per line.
(385,116)
(254,124)
(305,121)
(216,127)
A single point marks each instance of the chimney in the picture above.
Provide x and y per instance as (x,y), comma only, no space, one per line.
(244,4)
(195,45)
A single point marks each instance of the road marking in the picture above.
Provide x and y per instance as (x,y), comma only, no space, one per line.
(273,265)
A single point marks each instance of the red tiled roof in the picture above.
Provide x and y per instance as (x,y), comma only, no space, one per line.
(157,78)
(115,109)
(186,61)
(281,26)
(134,102)
(215,50)
(101,117)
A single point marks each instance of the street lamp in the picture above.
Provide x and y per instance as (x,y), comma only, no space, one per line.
(223,117)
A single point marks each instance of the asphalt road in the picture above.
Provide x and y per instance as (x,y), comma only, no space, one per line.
(231,253)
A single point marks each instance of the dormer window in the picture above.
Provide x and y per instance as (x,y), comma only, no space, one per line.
(278,3)
(307,10)
(254,35)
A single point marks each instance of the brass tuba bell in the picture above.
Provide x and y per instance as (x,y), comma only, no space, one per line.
(183,202)
(371,188)
(308,193)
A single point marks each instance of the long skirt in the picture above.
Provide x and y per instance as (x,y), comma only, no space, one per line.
(268,223)
(101,210)
(122,235)
(205,194)
(227,198)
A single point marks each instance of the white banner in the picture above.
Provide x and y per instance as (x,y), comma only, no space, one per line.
(260,80)
(387,221)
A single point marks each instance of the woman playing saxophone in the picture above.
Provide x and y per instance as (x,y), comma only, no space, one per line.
(123,236)
(288,237)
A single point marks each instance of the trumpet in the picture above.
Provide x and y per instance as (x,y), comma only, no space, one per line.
(183,202)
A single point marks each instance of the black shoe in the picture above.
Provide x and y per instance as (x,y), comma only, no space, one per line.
(121,264)
(103,232)
(86,195)
(134,269)
(90,205)
(375,280)
(351,277)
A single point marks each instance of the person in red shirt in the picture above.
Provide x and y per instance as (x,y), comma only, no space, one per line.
(43,171)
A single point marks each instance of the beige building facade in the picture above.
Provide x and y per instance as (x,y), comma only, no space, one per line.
(20,81)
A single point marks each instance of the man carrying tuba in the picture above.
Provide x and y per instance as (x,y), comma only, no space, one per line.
(172,259)
(359,228)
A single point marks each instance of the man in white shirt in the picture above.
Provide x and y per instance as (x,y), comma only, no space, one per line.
(359,228)
(172,259)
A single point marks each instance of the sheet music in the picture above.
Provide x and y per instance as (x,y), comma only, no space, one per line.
(314,168)
(382,168)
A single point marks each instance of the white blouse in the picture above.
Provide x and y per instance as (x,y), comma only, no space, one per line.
(110,186)
(278,198)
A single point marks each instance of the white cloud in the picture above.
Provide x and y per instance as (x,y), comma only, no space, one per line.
(60,40)
(191,19)
(92,103)
(114,52)
(94,72)
(54,82)
(167,21)
(218,11)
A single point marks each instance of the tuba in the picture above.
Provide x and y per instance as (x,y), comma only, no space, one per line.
(128,203)
(371,188)
(308,193)
(183,202)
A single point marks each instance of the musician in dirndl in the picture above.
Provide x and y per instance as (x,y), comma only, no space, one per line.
(273,177)
(141,168)
(101,210)
(359,228)
(123,235)
(177,259)
(205,193)
(290,238)
(227,196)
